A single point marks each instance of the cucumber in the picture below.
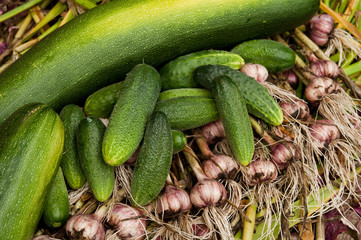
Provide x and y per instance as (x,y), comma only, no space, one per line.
(71,115)
(275,56)
(179,141)
(57,207)
(100,176)
(259,102)
(31,145)
(100,104)
(188,112)
(137,98)
(233,111)
(184,92)
(100,46)
(178,73)
(154,160)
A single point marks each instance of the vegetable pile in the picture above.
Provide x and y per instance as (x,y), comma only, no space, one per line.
(155,120)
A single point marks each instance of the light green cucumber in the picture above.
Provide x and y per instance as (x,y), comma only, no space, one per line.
(100,104)
(259,102)
(57,207)
(188,112)
(99,175)
(154,160)
(178,73)
(184,92)
(275,56)
(137,98)
(71,115)
(31,145)
(179,141)
(233,111)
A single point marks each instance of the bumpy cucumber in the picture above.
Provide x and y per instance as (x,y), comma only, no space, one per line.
(100,46)
(275,56)
(57,207)
(259,102)
(178,73)
(100,176)
(100,104)
(154,160)
(188,112)
(184,92)
(179,141)
(234,115)
(31,145)
(71,115)
(137,98)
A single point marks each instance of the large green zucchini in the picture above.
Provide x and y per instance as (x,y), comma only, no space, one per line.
(102,45)
(31,144)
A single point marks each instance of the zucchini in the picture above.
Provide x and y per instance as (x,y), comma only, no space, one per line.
(100,46)
(184,92)
(100,176)
(273,55)
(259,102)
(179,141)
(100,104)
(71,115)
(154,160)
(31,145)
(178,73)
(188,112)
(57,207)
(233,111)
(137,98)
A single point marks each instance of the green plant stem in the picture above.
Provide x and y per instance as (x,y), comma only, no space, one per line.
(19,9)
(335,57)
(50,30)
(53,13)
(353,68)
(86,3)
(249,224)
(349,59)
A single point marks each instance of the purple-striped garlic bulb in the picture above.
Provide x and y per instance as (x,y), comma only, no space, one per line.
(260,171)
(320,27)
(213,132)
(283,153)
(208,192)
(128,221)
(325,68)
(297,109)
(219,167)
(324,132)
(320,87)
(291,78)
(200,230)
(84,226)
(173,201)
(256,71)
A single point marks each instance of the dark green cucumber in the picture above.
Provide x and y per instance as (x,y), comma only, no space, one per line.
(259,102)
(275,56)
(234,115)
(188,112)
(100,104)
(154,160)
(100,46)
(57,207)
(184,92)
(137,98)
(178,73)
(179,141)
(100,176)
(71,115)
(31,145)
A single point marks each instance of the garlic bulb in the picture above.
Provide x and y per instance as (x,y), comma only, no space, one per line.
(208,192)
(173,201)
(256,71)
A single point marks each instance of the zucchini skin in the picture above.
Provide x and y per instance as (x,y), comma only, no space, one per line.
(71,115)
(137,98)
(31,145)
(233,111)
(57,207)
(188,112)
(100,176)
(259,102)
(154,160)
(97,48)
